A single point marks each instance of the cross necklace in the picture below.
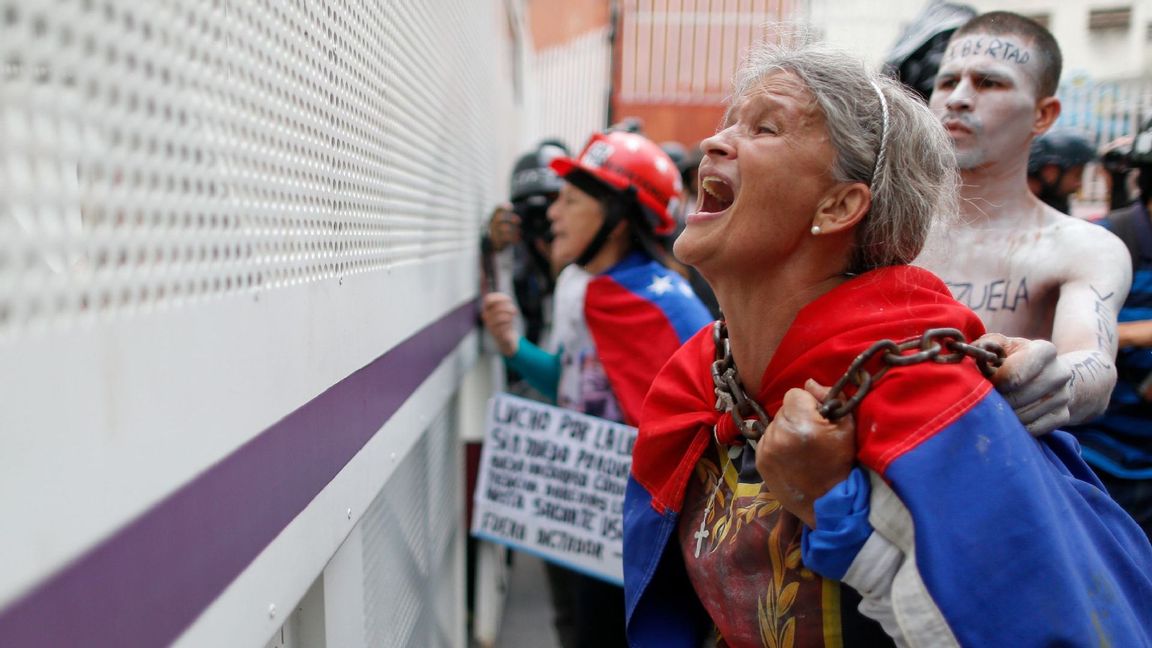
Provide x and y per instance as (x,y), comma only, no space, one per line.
(702,532)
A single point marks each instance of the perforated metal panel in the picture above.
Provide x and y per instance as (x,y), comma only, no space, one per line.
(156,153)
(409,535)
(212,211)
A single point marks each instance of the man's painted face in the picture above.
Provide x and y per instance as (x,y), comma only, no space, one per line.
(985,94)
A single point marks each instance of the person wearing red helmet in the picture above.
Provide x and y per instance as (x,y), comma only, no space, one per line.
(636,182)
(620,194)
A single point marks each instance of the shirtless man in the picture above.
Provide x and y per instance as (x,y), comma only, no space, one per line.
(1051,283)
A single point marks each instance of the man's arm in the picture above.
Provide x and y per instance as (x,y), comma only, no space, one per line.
(1084,327)
(1069,380)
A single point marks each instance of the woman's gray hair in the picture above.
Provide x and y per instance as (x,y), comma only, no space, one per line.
(916,180)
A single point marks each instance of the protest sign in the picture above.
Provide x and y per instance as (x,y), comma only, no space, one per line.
(551,482)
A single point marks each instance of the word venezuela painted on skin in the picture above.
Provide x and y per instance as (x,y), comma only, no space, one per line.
(996,295)
(551,482)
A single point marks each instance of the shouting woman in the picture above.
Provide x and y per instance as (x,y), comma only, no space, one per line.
(758,506)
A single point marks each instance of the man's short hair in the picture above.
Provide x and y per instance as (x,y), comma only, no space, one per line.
(1004,23)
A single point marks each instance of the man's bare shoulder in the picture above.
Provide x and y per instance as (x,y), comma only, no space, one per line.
(1062,225)
(1084,248)
(1043,240)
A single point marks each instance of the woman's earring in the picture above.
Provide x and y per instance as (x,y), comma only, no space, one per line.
(815,230)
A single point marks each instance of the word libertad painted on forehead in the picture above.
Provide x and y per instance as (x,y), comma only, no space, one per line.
(989,46)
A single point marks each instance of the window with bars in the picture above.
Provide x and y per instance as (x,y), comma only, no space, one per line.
(1111,19)
(685,51)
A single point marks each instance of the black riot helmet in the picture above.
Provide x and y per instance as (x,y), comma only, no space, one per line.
(534,186)
(1061,147)
(1067,151)
(532,175)
(915,58)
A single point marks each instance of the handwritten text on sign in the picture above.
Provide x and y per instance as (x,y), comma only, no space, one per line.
(552,482)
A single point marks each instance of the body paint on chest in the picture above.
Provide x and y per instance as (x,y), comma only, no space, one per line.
(996,295)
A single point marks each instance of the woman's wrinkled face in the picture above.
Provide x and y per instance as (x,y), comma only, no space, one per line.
(576,217)
(761,179)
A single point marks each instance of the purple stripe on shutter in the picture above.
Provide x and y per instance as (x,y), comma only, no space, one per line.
(149,581)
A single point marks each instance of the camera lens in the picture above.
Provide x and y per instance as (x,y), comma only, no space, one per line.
(533,212)
(1115,161)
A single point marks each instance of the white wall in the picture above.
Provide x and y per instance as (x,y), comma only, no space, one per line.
(217,220)
(568,89)
(867,29)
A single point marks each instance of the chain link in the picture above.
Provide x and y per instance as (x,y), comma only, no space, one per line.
(750,418)
(939,345)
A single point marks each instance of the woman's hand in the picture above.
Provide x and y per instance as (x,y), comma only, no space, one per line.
(499,315)
(1034,381)
(802,455)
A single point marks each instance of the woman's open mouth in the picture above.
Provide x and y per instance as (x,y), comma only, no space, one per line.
(716,195)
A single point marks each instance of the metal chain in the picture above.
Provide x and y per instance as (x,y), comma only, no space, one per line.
(940,345)
(750,418)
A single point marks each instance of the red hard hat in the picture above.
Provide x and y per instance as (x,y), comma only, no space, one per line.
(624,160)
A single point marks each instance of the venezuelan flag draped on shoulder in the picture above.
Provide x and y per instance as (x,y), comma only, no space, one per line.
(1003,539)
(639,312)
